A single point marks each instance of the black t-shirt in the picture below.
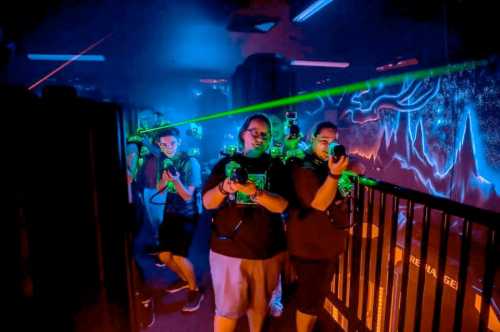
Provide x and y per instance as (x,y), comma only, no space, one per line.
(249,230)
(313,234)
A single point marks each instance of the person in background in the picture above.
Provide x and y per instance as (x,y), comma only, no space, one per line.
(142,237)
(179,175)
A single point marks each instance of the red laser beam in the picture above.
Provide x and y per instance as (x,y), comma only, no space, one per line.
(67,63)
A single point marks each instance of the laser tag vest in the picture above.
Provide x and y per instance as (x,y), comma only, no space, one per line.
(189,170)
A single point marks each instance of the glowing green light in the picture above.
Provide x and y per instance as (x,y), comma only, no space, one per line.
(349,88)
(367,181)
(362,180)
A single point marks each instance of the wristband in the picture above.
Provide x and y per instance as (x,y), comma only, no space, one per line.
(334,176)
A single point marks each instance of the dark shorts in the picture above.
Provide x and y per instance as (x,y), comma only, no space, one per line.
(176,234)
(313,283)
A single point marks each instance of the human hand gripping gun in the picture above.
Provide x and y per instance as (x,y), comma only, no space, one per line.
(345,186)
(168,166)
(248,184)
(236,173)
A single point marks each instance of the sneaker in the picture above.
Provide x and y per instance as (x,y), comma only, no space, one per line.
(194,301)
(276,309)
(146,313)
(276,305)
(176,286)
(158,263)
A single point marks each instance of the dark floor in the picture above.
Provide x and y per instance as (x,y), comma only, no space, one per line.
(169,318)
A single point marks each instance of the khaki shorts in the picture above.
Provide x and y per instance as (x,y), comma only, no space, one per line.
(243,284)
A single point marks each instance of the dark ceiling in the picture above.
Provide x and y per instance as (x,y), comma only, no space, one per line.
(164,39)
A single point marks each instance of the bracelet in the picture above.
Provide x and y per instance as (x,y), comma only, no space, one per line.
(256,194)
(220,186)
(334,176)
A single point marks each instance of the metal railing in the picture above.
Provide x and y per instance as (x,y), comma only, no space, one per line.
(435,273)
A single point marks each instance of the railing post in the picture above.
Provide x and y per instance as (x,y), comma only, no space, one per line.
(378,267)
(356,254)
(489,275)
(355,302)
(406,263)
(424,242)
(462,275)
(368,242)
(392,259)
(443,249)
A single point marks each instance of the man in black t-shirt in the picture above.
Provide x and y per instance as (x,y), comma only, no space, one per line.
(247,242)
(317,225)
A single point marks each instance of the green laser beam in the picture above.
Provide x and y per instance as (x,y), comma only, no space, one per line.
(349,88)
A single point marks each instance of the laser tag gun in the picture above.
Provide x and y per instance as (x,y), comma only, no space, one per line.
(294,132)
(293,135)
(292,140)
(135,139)
(291,119)
(140,132)
(229,150)
(336,151)
(294,154)
(168,165)
(276,152)
(344,185)
(259,180)
(236,173)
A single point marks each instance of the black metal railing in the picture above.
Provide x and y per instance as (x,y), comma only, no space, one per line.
(415,262)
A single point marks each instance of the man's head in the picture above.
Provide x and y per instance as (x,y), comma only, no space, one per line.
(168,140)
(255,135)
(144,151)
(322,135)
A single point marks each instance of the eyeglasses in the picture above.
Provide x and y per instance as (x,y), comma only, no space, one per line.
(256,134)
(324,140)
(164,145)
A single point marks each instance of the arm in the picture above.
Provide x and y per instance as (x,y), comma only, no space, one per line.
(214,197)
(186,192)
(271,201)
(326,193)
(275,198)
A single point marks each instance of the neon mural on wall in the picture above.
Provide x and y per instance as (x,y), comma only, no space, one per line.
(434,135)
